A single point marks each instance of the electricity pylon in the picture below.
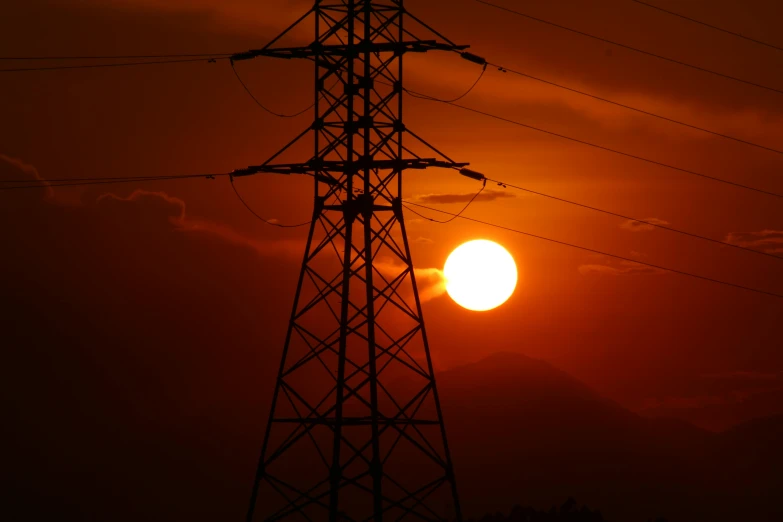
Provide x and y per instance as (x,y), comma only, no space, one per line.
(355,430)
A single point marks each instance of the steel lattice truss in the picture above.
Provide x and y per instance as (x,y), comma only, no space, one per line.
(356,431)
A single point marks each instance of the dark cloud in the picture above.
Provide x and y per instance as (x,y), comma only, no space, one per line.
(638,226)
(622,268)
(719,410)
(744,376)
(698,401)
(770,241)
(487,195)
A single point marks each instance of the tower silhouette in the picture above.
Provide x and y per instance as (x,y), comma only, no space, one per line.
(355,430)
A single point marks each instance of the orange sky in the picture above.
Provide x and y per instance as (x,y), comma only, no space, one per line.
(642,339)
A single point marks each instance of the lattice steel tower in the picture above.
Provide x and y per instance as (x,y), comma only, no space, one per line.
(355,430)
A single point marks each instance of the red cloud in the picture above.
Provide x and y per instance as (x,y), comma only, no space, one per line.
(173,210)
(16,169)
(769,241)
(622,268)
(642,226)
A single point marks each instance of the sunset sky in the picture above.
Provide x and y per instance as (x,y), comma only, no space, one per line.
(173,291)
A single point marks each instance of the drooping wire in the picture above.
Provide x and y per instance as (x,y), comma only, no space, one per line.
(641,111)
(630,48)
(267,221)
(642,221)
(256,100)
(601,147)
(594,251)
(481,75)
(455,216)
(104,65)
(705,24)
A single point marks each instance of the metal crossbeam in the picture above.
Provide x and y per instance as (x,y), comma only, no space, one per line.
(317,51)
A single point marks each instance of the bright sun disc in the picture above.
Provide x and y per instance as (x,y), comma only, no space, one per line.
(480,275)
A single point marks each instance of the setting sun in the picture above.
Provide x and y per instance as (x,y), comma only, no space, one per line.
(480,275)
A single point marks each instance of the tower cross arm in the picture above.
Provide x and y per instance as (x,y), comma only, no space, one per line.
(316,167)
(318,49)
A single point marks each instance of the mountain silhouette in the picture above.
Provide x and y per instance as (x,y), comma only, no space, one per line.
(524,432)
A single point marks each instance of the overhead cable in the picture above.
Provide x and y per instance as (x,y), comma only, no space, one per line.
(705,24)
(630,48)
(595,251)
(481,177)
(82,182)
(597,146)
(482,61)
(104,65)
(629,107)
(111,57)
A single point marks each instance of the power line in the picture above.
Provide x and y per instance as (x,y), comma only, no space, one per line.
(641,111)
(273,113)
(82,182)
(267,221)
(96,181)
(594,251)
(100,181)
(78,182)
(705,24)
(140,178)
(103,65)
(635,49)
(602,147)
(111,57)
(642,221)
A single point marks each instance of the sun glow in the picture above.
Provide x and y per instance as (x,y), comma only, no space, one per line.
(480,275)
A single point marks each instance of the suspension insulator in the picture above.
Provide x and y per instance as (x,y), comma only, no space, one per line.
(472,174)
(473,58)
